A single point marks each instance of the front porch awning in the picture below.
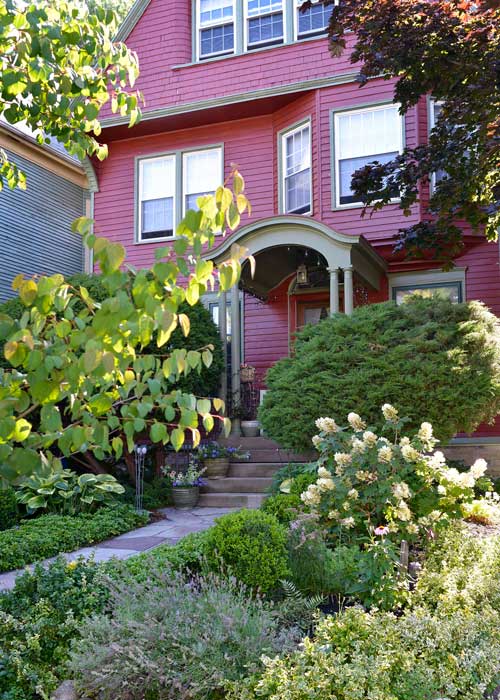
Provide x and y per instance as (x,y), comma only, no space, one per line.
(278,246)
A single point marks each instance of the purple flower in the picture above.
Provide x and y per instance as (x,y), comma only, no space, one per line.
(381,530)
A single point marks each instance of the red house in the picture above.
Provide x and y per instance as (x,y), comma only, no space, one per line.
(252,83)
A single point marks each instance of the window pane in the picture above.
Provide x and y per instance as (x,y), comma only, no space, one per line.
(202,171)
(445,291)
(298,151)
(367,132)
(157,176)
(314,19)
(265,29)
(157,218)
(262,7)
(217,40)
(298,192)
(215,10)
(347,169)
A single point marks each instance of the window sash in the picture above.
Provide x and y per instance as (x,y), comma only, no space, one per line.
(201,182)
(261,15)
(213,29)
(452,290)
(375,134)
(317,10)
(156,194)
(296,170)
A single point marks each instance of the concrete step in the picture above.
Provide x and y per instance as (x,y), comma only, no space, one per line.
(276,456)
(258,469)
(249,484)
(231,500)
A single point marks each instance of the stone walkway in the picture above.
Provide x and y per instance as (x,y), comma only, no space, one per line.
(177,524)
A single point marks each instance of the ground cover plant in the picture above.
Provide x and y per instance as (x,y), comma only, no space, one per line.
(437,361)
(176,637)
(49,535)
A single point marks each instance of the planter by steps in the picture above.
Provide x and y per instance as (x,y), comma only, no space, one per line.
(216,468)
(185,497)
(250,428)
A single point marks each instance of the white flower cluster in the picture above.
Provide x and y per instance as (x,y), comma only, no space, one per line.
(356,422)
(390,413)
(327,425)
(426,437)
(370,438)
(385,454)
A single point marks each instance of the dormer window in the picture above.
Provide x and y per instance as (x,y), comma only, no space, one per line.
(264,23)
(215,27)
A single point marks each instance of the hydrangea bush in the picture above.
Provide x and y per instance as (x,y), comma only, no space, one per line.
(391,486)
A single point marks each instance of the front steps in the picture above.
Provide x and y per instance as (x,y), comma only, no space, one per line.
(247,482)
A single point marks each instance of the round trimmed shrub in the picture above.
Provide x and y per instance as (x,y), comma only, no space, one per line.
(433,360)
(252,546)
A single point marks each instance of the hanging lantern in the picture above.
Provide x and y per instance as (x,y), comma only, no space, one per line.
(302,274)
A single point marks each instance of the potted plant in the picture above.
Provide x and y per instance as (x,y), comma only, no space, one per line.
(247,373)
(216,458)
(186,486)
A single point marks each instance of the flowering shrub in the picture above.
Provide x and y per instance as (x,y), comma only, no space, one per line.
(371,486)
(213,450)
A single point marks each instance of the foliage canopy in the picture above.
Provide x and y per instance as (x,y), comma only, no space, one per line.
(449,49)
(436,361)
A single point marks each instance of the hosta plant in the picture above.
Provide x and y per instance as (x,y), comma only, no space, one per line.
(58,490)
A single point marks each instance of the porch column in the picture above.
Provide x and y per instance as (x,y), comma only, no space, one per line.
(334,290)
(223,337)
(348,291)
(235,355)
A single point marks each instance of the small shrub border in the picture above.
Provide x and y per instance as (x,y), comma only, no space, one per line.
(48,535)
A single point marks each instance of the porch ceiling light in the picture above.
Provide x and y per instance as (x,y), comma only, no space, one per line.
(302,274)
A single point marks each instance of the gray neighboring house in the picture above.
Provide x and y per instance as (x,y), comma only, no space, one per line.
(35,224)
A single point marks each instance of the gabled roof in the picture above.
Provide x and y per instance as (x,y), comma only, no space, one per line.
(134,15)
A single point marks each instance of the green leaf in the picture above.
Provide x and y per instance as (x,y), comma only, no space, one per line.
(22,430)
(158,432)
(177,438)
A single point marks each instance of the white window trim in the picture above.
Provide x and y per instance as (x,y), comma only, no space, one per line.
(310,35)
(138,199)
(432,123)
(427,278)
(262,44)
(179,179)
(221,23)
(186,152)
(283,135)
(336,134)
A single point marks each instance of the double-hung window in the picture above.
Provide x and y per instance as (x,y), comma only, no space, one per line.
(169,185)
(264,23)
(363,136)
(312,21)
(156,197)
(215,27)
(201,173)
(296,169)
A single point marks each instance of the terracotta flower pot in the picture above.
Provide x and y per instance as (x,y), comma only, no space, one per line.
(185,497)
(216,468)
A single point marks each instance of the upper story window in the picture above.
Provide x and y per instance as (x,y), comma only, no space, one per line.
(202,174)
(361,137)
(264,23)
(215,27)
(435,108)
(314,20)
(296,170)
(169,185)
(156,194)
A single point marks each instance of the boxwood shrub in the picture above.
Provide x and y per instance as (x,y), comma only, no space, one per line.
(433,360)
(48,535)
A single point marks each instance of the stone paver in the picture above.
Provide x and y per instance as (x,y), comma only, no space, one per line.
(178,524)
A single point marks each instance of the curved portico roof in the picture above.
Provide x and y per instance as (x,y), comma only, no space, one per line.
(274,237)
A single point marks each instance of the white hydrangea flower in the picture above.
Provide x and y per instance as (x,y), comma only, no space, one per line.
(311,497)
(369,438)
(342,459)
(334,515)
(347,522)
(356,422)
(401,490)
(403,512)
(316,441)
(324,473)
(404,441)
(425,431)
(346,505)
(479,468)
(353,494)
(327,425)
(410,454)
(385,454)
(441,490)
(358,446)
(390,413)
(466,480)
(437,461)
(412,528)
(325,484)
